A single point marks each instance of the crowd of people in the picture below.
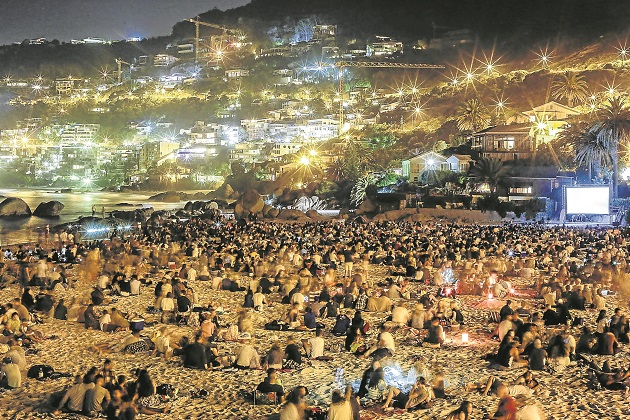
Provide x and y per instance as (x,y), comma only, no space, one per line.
(540,285)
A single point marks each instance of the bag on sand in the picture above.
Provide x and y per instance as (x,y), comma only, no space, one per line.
(40,372)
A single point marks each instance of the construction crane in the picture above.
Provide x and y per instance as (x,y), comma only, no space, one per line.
(119,63)
(198,22)
(372,64)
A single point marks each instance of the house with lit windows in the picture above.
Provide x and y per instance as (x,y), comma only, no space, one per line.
(505,142)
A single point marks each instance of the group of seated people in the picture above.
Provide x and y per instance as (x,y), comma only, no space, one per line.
(100,393)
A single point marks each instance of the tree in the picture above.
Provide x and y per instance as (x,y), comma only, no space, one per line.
(571,86)
(492,171)
(473,116)
(589,150)
(612,125)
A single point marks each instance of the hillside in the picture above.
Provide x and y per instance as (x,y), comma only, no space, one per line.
(513,21)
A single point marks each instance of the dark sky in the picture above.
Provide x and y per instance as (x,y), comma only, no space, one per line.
(110,19)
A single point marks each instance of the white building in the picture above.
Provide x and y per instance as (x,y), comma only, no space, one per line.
(247,152)
(256,129)
(282,149)
(384,46)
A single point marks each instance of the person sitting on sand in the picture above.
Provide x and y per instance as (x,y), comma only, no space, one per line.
(148,400)
(90,318)
(314,346)
(435,334)
(72,400)
(272,383)
(11,377)
(295,407)
(384,347)
(376,388)
(419,397)
(274,357)
(292,356)
(247,357)
(340,407)
(508,355)
(537,356)
(495,386)
(194,354)
(462,413)
(342,323)
(119,320)
(96,398)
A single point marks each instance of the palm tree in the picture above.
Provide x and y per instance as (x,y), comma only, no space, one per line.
(571,86)
(612,126)
(590,151)
(492,171)
(473,116)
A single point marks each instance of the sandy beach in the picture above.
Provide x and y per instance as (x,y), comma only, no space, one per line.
(564,394)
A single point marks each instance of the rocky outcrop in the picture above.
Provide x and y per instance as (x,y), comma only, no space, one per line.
(249,203)
(367,207)
(224,193)
(167,197)
(292,214)
(137,215)
(49,209)
(312,214)
(14,207)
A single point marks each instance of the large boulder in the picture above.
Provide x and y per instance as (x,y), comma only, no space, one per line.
(167,197)
(367,207)
(14,207)
(291,214)
(313,214)
(249,203)
(225,193)
(49,209)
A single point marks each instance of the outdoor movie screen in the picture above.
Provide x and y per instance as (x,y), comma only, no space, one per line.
(588,200)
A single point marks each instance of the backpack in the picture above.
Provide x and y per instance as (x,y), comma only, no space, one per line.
(40,372)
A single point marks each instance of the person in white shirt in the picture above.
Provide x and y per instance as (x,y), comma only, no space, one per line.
(134,285)
(248,356)
(192,274)
(314,346)
(104,320)
(400,316)
(167,305)
(103,282)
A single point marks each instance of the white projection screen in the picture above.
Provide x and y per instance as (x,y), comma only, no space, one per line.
(588,200)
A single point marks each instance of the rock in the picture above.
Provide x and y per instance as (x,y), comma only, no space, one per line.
(138,215)
(14,207)
(367,207)
(167,197)
(225,193)
(249,203)
(252,201)
(291,214)
(49,209)
(273,213)
(314,215)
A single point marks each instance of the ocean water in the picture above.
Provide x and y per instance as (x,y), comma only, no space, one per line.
(77,204)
